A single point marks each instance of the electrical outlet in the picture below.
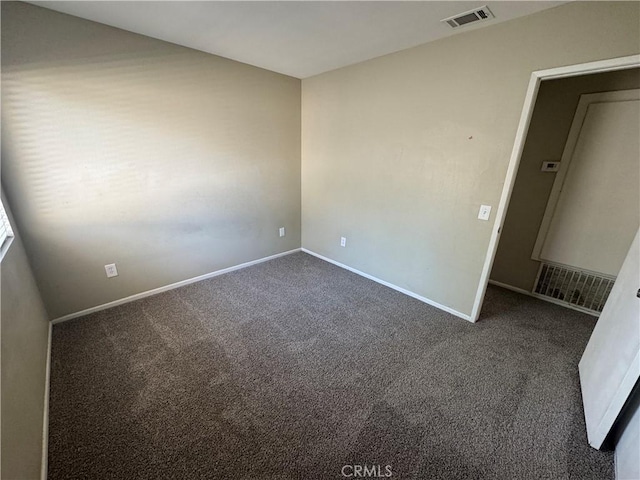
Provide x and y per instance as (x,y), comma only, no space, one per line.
(111,270)
(343,241)
(485,212)
(282,231)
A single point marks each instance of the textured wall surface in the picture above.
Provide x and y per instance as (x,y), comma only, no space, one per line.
(24,333)
(550,124)
(399,152)
(118,148)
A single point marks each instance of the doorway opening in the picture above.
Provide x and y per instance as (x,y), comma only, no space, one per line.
(513,259)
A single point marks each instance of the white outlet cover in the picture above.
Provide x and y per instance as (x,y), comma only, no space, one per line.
(111,270)
(281,231)
(485,212)
(343,241)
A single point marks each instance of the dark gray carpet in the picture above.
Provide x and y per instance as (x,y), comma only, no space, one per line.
(293,368)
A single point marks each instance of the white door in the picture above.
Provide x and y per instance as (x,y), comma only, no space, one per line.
(610,365)
(594,208)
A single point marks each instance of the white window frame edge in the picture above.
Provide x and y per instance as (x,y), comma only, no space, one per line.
(610,65)
(4,217)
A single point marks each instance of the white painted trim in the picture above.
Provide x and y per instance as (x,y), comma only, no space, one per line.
(391,285)
(44,465)
(620,63)
(510,287)
(609,65)
(172,286)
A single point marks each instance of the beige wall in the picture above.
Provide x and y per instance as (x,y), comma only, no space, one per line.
(399,152)
(24,334)
(118,148)
(550,124)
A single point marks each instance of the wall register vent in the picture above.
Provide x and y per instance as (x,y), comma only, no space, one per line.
(586,291)
(472,16)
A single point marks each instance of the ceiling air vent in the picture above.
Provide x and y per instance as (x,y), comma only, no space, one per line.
(472,16)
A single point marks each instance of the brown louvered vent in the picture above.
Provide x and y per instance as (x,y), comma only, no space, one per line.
(472,16)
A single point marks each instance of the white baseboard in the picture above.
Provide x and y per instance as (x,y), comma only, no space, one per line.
(45,417)
(172,286)
(510,287)
(391,285)
(543,297)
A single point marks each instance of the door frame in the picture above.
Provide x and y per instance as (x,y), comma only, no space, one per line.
(610,65)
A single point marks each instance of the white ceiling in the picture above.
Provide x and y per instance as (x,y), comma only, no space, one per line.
(297,38)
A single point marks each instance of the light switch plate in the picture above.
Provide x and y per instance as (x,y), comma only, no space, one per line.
(485,212)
